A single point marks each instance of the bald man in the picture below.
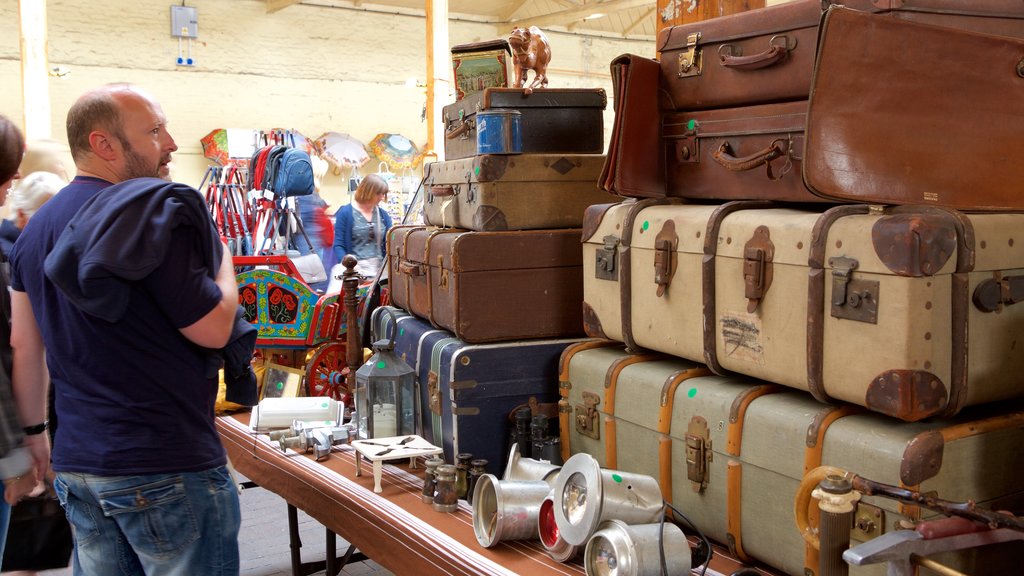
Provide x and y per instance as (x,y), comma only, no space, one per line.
(139,464)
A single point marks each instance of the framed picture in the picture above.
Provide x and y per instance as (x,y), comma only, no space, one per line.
(281,381)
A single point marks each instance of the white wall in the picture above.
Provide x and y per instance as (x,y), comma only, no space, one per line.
(308,68)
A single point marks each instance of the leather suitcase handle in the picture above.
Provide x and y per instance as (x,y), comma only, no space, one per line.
(992,294)
(724,156)
(410,269)
(773,55)
(458,130)
(442,191)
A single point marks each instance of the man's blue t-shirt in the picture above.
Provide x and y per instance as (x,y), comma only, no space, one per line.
(132,396)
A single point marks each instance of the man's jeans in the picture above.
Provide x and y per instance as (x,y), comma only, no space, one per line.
(158,525)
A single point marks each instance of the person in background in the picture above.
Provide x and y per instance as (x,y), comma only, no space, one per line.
(361,227)
(139,465)
(22,464)
(312,211)
(31,192)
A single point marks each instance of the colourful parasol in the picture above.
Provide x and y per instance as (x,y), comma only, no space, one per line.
(215,146)
(341,150)
(397,150)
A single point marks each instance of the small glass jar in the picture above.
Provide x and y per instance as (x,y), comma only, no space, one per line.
(430,479)
(477,468)
(446,499)
(462,460)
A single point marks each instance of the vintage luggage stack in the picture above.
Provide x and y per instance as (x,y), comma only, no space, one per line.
(730,452)
(469,391)
(817,263)
(496,271)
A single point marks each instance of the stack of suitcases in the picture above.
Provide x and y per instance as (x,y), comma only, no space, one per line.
(816,264)
(489,291)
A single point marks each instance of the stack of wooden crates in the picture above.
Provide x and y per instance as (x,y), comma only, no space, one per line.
(819,266)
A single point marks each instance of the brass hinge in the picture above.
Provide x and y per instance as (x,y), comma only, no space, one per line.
(852,299)
(698,453)
(690,57)
(587,416)
(605,258)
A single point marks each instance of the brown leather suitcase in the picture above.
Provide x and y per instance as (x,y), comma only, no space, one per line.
(553,120)
(634,164)
(489,286)
(742,153)
(937,120)
(767,55)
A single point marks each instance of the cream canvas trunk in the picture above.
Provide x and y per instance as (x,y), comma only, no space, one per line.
(730,452)
(491,193)
(909,311)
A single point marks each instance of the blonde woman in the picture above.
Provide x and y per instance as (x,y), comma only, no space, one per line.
(31,192)
(361,227)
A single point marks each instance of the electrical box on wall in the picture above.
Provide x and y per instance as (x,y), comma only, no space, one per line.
(184,22)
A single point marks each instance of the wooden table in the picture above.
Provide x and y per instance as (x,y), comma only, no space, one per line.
(394,528)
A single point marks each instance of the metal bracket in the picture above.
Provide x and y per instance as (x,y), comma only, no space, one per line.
(852,299)
(687,150)
(587,416)
(665,258)
(434,392)
(698,453)
(605,258)
(690,58)
(868,522)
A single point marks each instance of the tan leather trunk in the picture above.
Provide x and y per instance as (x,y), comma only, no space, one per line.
(950,134)
(767,55)
(908,311)
(731,453)
(513,192)
(489,286)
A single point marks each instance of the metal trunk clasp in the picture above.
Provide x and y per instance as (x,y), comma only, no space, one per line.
(852,299)
(698,453)
(587,416)
(605,258)
(690,58)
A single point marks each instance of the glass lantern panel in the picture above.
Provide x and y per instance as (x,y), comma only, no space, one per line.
(383,396)
(362,409)
(408,405)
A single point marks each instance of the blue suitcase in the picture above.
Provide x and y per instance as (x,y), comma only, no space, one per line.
(469,391)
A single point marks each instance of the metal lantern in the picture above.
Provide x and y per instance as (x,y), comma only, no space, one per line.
(385,394)
(620,549)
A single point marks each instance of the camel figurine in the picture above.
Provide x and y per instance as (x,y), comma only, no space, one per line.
(530,51)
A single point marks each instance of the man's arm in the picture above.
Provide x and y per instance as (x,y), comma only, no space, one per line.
(30,379)
(214,329)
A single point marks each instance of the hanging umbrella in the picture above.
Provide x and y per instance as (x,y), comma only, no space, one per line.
(397,150)
(341,150)
(215,146)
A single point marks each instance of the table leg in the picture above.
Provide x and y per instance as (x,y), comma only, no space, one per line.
(378,471)
(359,463)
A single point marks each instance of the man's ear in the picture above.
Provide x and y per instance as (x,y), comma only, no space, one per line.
(102,145)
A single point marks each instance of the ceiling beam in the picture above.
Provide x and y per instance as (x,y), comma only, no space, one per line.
(565,17)
(639,21)
(276,5)
(568,3)
(508,16)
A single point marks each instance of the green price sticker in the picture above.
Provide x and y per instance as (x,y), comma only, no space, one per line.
(382,364)
(617,478)
(692,392)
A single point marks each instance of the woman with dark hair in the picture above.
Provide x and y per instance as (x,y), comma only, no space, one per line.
(23,460)
(361,227)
